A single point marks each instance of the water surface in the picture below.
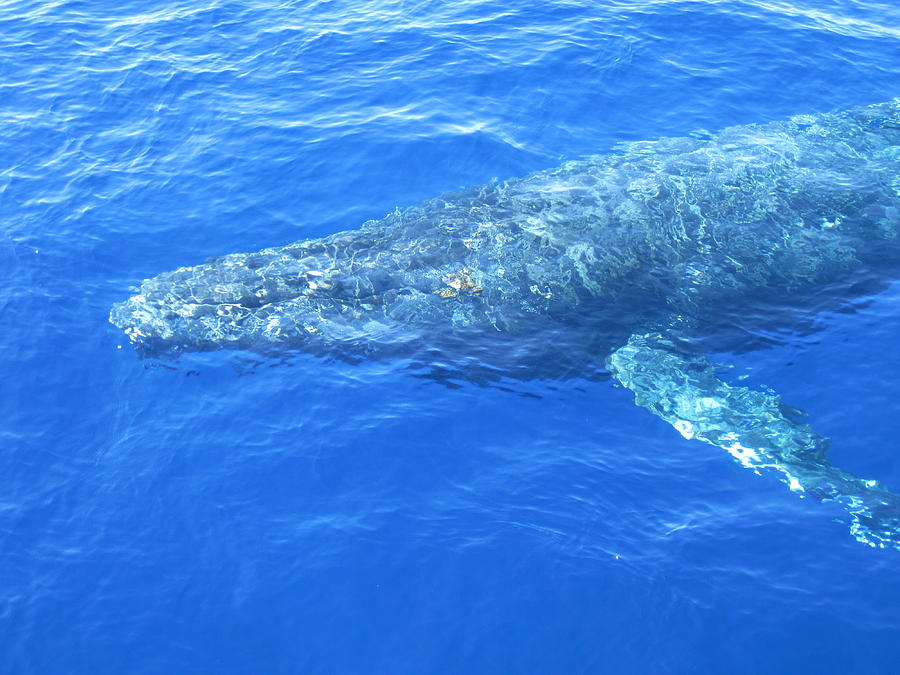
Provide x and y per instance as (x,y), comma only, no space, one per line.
(230,514)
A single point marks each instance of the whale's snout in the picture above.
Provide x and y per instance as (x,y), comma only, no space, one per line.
(237,301)
(141,321)
(297,296)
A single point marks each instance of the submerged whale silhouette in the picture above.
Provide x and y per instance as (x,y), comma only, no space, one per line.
(638,261)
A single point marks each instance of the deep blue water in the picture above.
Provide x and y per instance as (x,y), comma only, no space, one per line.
(220,514)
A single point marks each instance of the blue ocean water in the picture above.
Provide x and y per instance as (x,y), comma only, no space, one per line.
(225,514)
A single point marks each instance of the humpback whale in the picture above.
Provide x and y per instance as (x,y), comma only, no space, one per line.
(639,262)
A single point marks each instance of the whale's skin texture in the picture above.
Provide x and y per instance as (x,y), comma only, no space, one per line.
(630,261)
(614,244)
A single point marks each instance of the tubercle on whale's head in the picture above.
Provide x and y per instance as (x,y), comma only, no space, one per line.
(289,298)
(158,328)
(143,324)
(169,329)
(237,301)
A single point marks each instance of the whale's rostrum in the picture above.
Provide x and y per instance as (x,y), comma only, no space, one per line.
(630,261)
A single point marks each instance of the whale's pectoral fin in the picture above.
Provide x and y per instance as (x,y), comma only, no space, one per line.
(754,427)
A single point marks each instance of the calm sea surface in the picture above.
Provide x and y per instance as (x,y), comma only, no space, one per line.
(225,514)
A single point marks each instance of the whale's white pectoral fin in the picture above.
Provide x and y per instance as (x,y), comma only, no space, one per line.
(752,426)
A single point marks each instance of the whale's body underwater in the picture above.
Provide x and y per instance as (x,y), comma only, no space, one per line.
(630,260)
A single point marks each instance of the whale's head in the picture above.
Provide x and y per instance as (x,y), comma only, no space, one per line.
(301,296)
